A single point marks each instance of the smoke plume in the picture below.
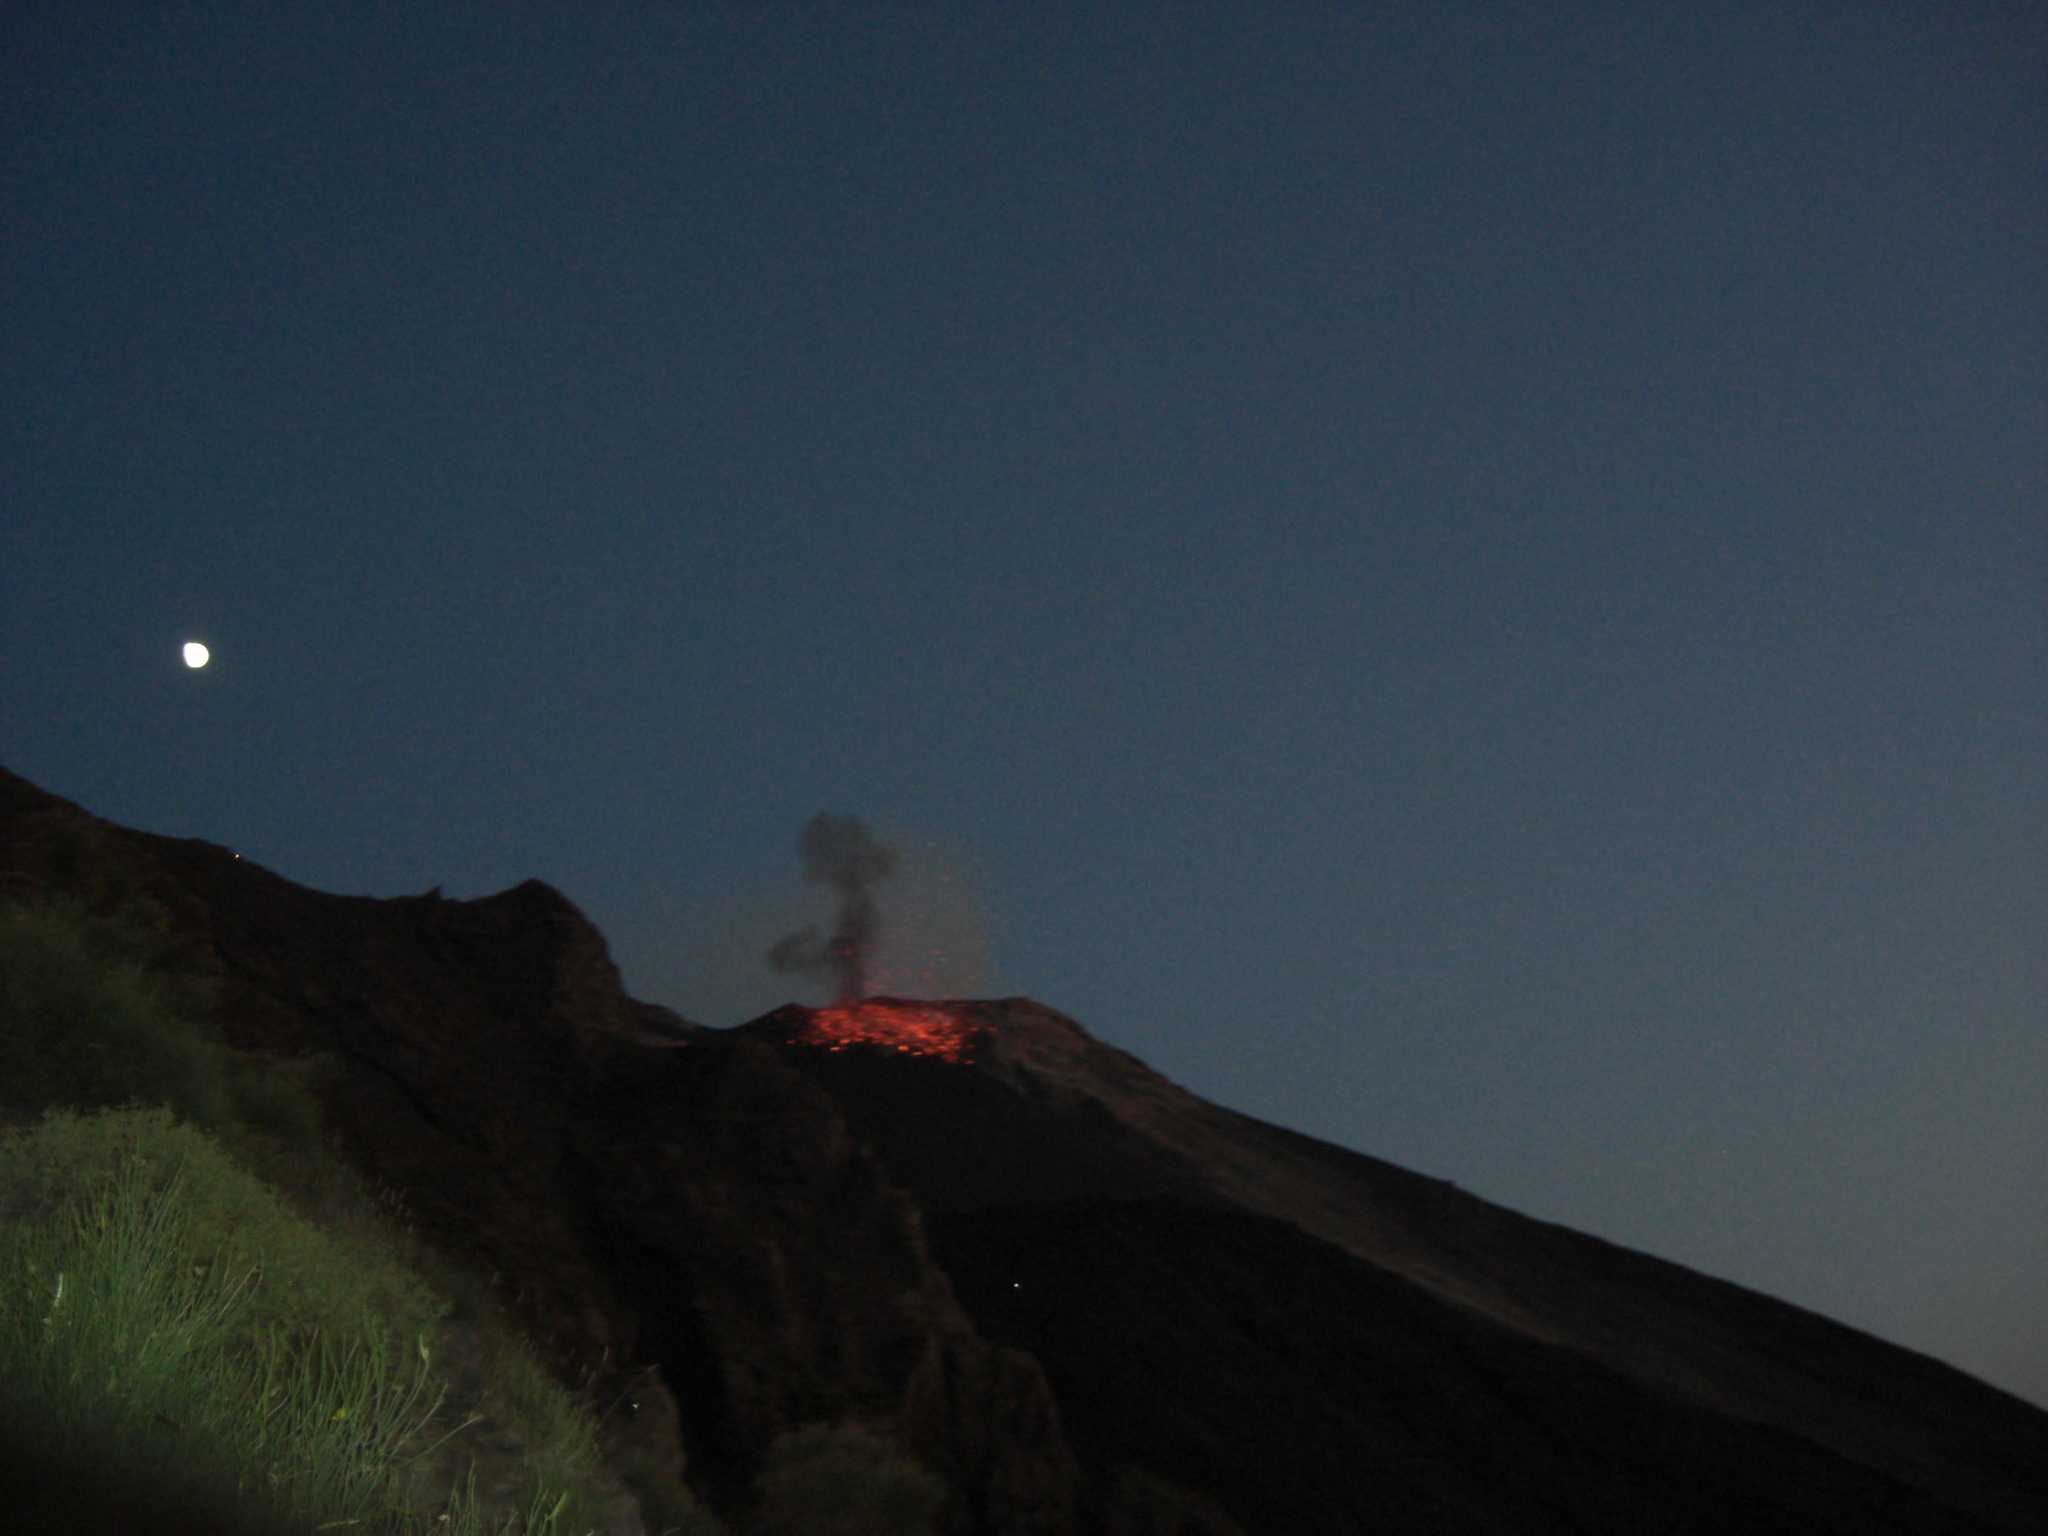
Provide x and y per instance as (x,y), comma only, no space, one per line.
(839,852)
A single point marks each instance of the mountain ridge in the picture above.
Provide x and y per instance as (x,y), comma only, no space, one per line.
(976,1224)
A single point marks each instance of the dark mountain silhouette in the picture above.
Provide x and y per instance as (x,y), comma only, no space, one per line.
(1331,1343)
(1087,1299)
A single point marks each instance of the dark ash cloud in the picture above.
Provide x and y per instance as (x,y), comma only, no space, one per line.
(841,853)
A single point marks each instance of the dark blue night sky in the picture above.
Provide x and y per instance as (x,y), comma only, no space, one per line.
(1469,579)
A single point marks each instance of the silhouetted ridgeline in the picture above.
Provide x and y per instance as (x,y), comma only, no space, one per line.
(1084,1299)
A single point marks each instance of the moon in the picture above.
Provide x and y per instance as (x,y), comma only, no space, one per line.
(196,655)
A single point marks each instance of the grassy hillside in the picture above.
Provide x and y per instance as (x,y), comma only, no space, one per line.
(199,1306)
(207,1323)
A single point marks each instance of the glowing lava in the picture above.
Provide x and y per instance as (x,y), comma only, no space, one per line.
(903,1027)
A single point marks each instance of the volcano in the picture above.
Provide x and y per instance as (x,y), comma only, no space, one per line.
(1089,1301)
(1323,1341)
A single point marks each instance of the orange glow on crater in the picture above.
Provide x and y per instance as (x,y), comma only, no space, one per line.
(903,1027)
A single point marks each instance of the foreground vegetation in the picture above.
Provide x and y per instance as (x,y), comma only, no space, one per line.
(206,1324)
(163,1309)
(172,1315)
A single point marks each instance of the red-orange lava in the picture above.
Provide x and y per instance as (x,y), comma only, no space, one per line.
(901,1027)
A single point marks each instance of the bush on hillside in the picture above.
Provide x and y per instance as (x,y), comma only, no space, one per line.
(84,1022)
(89,1019)
(173,1337)
(311,1278)
(113,1080)
(132,1351)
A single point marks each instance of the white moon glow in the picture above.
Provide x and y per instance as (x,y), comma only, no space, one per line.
(196,655)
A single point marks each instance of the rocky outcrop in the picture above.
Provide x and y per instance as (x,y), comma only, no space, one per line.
(810,1293)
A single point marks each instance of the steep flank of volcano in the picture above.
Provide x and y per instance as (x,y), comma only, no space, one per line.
(1308,1391)
(1040,1134)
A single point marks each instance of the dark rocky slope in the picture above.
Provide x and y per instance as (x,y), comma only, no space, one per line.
(1040,1262)
(645,1194)
(1565,1382)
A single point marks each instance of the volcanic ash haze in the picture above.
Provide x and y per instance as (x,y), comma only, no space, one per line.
(841,853)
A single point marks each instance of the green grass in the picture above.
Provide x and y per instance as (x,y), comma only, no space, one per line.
(202,1307)
(150,1339)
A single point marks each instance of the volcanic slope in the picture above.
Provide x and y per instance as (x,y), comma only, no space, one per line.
(1036,1262)
(1323,1341)
(669,1216)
